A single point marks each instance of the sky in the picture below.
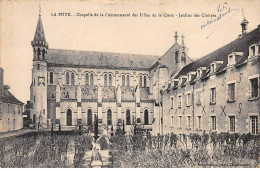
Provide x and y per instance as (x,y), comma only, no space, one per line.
(135,34)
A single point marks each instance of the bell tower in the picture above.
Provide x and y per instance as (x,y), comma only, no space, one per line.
(39,77)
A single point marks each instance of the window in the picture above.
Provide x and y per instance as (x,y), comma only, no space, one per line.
(213,95)
(171,102)
(231,92)
(110,80)
(171,121)
(123,80)
(232,123)
(34,99)
(254,124)
(72,79)
(212,68)
(188,100)
(179,101)
(140,81)
(105,80)
(0,106)
(8,108)
(38,66)
(109,117)
(91,79)
(253,51)
(19,109)
(13,109)
(67,78)
(198,93)
(128,117)
(213,123)
(87,79)
(188,121)
(144,81)
(34,82)
(127,80)
(198,74)
(146,117)
(254,88)
(199,122)
(179,121)
(51,77)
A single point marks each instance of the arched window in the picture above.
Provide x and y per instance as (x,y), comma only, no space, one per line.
(144,81)
(86,79)
(109,117)
(128,117)
(146,117)
(140,81)
(72,79)
(89,121)
(176,56)
(123,80)
(91,79)
(110,79)
(127,80)
(51,77)
(67,78)
(105,80)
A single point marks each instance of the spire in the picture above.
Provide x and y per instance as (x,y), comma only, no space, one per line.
(182,39)
(176,37)
(39,33)
(39,36)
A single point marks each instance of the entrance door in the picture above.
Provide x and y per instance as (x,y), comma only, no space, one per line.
(69,117)
(89,122)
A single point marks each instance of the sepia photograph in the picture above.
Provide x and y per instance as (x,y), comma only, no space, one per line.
(129,84)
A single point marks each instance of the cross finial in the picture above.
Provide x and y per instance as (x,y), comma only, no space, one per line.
(243,12)
(39,9)
(182,39)
(176,37)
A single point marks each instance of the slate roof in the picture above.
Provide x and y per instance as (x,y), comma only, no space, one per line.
(39,33)
(99,59)
(9,98)
(221,54)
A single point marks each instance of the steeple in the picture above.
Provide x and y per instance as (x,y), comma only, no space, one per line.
(39,43)
(39,36)
(244,24)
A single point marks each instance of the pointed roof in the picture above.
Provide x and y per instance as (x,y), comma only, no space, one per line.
(39,33)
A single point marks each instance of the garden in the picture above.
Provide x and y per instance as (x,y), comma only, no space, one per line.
(67,149)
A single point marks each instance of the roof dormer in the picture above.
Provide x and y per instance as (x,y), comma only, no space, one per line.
(214,66)
(253,50)
(201,71)
(190,76)
(234,57)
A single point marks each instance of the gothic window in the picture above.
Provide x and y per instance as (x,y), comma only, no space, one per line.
(105,80)
(72,79)
(38,53)
(91,79)
(123,80)
(67,78)
(86,79)
(140,81)
(127,80)
(89,122)
(43,54)
(146,117)
(176,56)
(128,117)
(144,81)
(110,79)
(109,117)
(51,77)
(183,56)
